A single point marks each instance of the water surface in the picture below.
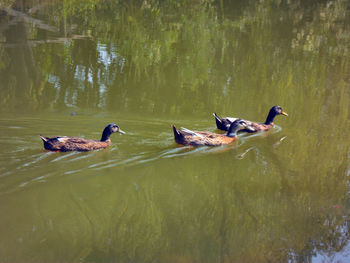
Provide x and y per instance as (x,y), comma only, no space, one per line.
(72,67)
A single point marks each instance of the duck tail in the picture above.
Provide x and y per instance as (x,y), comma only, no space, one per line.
(217,120)
(177,135)
(43,138)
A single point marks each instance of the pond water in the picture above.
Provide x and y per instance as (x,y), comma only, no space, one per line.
(71,67)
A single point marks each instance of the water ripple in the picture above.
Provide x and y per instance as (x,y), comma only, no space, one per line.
(26,165)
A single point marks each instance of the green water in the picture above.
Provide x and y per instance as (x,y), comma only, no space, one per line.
(71,67)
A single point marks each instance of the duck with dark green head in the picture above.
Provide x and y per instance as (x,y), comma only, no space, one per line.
(66,143)
(224,123)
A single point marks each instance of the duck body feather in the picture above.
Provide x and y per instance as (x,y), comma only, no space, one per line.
(199,138)
(224,123)
(66,144)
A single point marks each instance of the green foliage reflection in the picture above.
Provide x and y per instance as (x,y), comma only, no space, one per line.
(186,59)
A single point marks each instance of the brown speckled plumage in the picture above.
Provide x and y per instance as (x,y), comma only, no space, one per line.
(224,123)
(198,138)
(66,143)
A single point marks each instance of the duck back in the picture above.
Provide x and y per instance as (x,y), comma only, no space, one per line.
(65,144)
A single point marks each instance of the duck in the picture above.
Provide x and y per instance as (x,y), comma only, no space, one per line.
(66,143)
(224,123)
(203,138)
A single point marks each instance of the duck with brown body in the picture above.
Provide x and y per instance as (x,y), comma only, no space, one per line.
(224,123)
(199,138)
(66,143)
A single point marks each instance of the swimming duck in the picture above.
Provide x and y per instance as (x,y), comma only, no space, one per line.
(224,123)
(65,143)
(198,138)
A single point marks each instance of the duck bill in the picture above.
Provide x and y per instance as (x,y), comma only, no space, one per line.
(284,113)
(122,132)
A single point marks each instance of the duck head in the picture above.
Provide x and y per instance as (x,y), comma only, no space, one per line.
(115,128)
(274,111)
(235,126)
(110,128)
(278,110)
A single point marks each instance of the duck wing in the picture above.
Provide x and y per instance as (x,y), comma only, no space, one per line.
(190,132)
(223,123)
(64,140)
(75,140)
(226,123)
(211,139)
(65,143)
(199,138)
(251,125)
(255,126)
(81,144)
(187,137)
(209,135)
(230,119)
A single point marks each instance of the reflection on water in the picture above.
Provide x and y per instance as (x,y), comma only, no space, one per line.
(71,67)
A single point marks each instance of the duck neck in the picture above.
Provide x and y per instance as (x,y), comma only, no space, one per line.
(270,117)
(232,132)
(105,135)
